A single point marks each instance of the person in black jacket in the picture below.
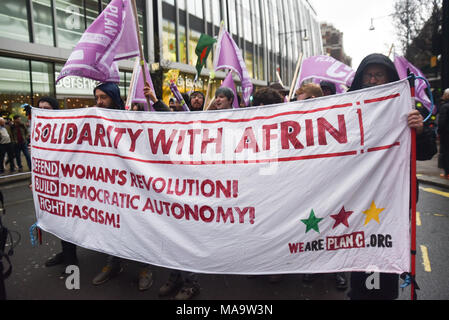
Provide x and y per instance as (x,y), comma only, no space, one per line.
(375,70)
(107,95)
(443,131)
(68,255)
(158,105)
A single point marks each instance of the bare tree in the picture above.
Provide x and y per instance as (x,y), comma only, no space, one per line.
(409,18)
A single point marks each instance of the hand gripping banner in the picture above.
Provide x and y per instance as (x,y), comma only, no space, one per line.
(308,187)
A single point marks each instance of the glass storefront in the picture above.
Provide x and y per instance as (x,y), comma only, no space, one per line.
(56,23)
(14,20)
(43,22)
(25,81)
(15,86)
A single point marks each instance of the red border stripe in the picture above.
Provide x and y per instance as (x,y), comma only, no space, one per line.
(197,163)
(397,144)
(393,96)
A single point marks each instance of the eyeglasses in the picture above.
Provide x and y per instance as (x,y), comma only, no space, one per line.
(378,76)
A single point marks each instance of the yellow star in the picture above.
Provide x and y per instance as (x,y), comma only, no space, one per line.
(372,213)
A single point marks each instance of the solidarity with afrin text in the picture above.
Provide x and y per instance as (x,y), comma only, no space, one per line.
(195,140)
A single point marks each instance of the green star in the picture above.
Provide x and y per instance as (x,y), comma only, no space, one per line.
(312,222)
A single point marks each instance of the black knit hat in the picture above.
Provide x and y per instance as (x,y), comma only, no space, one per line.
(113,91)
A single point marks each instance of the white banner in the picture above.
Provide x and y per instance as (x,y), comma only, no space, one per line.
(316,186)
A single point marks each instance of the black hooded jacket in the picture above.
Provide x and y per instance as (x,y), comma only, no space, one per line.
(113,91)
(375,58)
(425,149)
(426,142)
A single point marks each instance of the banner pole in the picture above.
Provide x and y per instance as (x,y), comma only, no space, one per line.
(295,78)
(132,84)
(413,194)
(209,85)
(391,50)
(212,73)
(142,58)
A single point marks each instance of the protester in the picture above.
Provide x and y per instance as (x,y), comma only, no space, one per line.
(197,101)
(223,98)
(158,105)
(48,103)
(184,285)
(375,70)
(264,97)
(279,88)
(68,255)
(178,106)
(20,137)
(267,96)
(172,104)
(309,91)
(107,95)
(328,88)
(443,131)
(6,147)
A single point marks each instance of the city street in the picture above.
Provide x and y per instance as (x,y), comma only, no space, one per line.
(30,280)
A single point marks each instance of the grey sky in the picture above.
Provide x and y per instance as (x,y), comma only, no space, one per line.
(353,18)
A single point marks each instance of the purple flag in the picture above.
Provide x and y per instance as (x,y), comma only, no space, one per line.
(174,89)
(136,90)
(229,56)
(111,37)
(228,82)
(325,68)
(402,65)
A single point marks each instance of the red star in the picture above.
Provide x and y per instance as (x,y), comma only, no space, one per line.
(342,217)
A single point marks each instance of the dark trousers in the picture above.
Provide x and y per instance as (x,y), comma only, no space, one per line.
(2,283)
(388,287)
(69,252)
(6,149)
(22,147)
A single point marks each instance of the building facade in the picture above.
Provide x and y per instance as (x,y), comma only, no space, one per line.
(37,37)
(333,43)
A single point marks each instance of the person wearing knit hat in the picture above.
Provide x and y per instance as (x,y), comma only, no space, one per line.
(107,95)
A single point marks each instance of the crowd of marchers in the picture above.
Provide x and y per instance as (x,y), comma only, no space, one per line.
(374,70)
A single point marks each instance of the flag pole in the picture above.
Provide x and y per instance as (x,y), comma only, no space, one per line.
(391,50)
(212,73)
(209,85)
(413,194)
(132,83)
(142,58)
(295,78)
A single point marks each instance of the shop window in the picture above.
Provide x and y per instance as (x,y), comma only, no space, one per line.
(70,22)
(194,37)
(169,41)
(15,86)
(43,22)
(43,80)
(74,92)
(91,11)
(14,20)
(182,44)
